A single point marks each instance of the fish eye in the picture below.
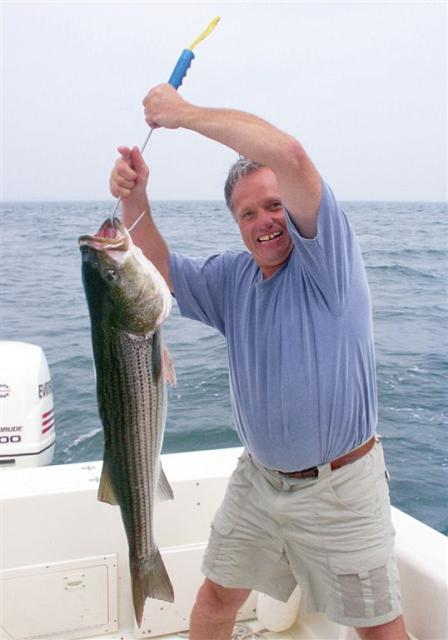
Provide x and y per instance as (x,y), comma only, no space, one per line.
(111,274)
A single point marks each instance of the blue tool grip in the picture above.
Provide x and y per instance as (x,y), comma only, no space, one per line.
(181,68)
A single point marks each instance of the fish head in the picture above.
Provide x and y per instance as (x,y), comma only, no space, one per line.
(118,277)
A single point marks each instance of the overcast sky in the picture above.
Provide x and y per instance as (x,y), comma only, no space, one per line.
(362,85)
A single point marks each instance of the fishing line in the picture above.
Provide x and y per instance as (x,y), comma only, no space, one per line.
(135,223)
(176,78)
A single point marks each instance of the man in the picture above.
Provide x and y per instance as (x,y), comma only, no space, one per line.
(308,502)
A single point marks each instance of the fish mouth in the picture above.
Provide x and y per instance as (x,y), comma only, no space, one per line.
(112,235)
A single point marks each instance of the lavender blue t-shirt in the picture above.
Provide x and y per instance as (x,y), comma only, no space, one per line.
(300,343)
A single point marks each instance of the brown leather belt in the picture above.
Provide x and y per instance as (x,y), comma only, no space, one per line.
(347,458)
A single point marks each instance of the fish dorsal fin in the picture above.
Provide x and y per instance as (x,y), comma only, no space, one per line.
(164,491)
(168,368)
(106,492)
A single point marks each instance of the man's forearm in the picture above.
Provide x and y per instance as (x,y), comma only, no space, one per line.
(248,135)
(298,180)
(146,234)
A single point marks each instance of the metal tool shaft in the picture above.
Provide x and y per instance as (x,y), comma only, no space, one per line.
(179,73)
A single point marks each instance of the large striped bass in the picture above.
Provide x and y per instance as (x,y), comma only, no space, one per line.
(128,301)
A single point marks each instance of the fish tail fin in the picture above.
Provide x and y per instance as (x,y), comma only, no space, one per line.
(151,581)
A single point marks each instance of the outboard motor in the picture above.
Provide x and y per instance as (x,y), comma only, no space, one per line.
(27,433)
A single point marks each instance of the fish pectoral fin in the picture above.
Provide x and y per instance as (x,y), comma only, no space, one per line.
(164,491)
(106,492)
(156,355)
(168,367)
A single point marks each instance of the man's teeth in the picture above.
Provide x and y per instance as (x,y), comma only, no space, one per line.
(271,236)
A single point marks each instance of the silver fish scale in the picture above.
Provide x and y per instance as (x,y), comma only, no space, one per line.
(133,408)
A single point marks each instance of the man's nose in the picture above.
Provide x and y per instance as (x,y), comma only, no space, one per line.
(267,218)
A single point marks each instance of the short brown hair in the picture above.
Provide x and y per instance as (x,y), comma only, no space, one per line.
(242,167)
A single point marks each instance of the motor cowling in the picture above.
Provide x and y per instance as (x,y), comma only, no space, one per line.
(27,425)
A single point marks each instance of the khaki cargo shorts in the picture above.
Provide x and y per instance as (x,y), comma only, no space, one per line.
(332,535)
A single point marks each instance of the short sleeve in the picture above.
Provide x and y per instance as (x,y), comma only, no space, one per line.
(329,258)
(199,288)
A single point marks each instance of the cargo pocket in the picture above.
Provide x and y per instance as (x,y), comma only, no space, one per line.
(362,584)
(221,559)
(221,528)
(222,523)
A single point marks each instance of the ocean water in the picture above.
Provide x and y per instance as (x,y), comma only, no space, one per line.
(404,247)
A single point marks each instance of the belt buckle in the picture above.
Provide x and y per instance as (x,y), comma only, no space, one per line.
(311,473)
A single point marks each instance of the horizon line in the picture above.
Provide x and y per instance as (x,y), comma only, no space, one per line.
(215,200)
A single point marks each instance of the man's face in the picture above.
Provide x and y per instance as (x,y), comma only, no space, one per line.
(261,218)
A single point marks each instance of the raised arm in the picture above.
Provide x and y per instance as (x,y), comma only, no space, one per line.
(298,180)
(128,180)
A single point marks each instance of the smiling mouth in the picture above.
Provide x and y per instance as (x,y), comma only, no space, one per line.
(270,236)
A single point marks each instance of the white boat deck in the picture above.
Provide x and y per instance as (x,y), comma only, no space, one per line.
(315,627)
(64,561)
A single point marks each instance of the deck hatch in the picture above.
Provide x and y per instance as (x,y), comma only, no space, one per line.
(61,600)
